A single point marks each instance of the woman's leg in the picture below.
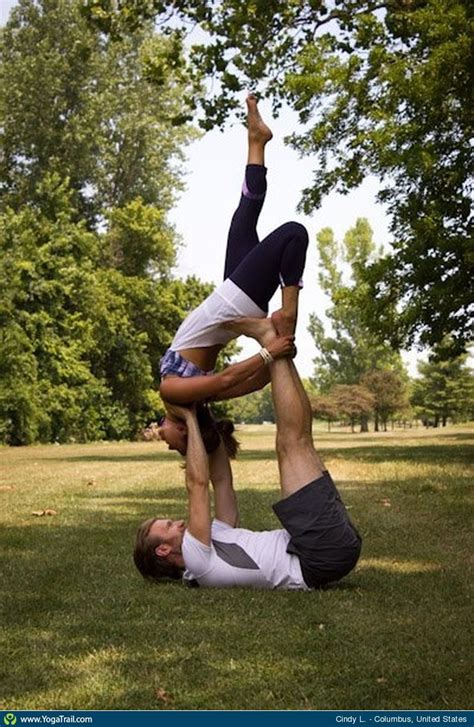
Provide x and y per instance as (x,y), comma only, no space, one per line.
(278,260)
(243,236)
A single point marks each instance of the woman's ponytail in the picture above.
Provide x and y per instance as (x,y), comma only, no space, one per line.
(213,431)
(226,429)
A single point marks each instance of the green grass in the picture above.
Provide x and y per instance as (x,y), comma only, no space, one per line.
(84,631)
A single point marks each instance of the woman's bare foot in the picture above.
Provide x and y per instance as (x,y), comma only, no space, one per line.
(284,325)
(259,132)
(262,329)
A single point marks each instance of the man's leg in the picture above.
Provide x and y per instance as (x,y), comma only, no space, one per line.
(298,461)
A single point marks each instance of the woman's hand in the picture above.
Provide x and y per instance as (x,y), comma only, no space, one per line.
(281,347)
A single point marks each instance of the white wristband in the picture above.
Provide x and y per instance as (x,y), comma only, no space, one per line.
(266,355)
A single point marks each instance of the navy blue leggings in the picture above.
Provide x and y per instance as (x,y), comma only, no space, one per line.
(258,268)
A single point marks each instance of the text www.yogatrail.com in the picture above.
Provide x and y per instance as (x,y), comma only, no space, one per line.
(46,719)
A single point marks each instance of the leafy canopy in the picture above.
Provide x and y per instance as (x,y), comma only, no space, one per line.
(381,87)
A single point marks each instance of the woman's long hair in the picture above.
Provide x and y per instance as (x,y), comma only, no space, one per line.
(213,430)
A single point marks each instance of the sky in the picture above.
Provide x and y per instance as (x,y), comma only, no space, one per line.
(214,172)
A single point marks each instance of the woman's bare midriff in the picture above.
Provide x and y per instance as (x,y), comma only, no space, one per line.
(205,358)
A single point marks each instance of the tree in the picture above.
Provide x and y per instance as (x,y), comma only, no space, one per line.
(389,392)
(324,406)
(445,389)
(353,402)
(382,87)
(87,172)
(352,349)
(80,341)
(74,103)
(254,408)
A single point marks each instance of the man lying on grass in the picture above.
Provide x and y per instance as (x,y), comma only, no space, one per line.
(318,543)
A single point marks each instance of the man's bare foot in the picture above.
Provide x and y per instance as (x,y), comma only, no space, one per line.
(262,329)
(258,131)
(284,325)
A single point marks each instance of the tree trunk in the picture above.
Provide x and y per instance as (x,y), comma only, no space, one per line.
(436,421)
(376,422)
(364,423)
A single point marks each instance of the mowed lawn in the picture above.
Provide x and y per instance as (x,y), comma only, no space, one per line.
(82,630)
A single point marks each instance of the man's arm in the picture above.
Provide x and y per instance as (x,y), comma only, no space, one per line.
(197,479)
(225,501)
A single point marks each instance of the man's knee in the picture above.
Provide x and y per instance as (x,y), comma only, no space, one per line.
(291,442)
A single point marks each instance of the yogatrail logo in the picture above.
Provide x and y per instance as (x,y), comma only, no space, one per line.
(9,718)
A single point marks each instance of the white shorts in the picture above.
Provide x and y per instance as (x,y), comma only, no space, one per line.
(202,327)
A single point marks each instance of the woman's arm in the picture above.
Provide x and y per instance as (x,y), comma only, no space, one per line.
(179,390)
(253,383)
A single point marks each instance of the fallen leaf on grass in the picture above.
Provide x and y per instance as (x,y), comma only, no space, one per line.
(381,680)
(5,488)
(162,696)
(42,513)
(90,483)
(385,502)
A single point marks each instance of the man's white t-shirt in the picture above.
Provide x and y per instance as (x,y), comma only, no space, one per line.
(240,557)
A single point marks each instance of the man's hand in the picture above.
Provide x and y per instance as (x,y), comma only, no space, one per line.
(282,347)
(177,411)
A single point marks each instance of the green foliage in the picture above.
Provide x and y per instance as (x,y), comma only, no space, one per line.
(81,341)
(382,88)
(254,408)
(445,389)
(88,152)
(77,104)
(20,412)
(352,349)
(140,241)
(389,391)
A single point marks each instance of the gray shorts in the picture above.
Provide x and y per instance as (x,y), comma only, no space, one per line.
(322,535)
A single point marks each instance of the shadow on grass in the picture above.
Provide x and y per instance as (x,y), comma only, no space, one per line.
(85,631)
(139,457)
(431,453)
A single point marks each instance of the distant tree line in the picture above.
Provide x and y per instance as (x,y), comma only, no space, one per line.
(359,378)
(443,392)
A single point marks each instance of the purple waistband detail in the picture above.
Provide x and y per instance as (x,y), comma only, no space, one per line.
(250,195)
(283,284)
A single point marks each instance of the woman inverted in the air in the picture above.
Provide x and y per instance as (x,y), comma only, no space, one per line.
(252,273)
